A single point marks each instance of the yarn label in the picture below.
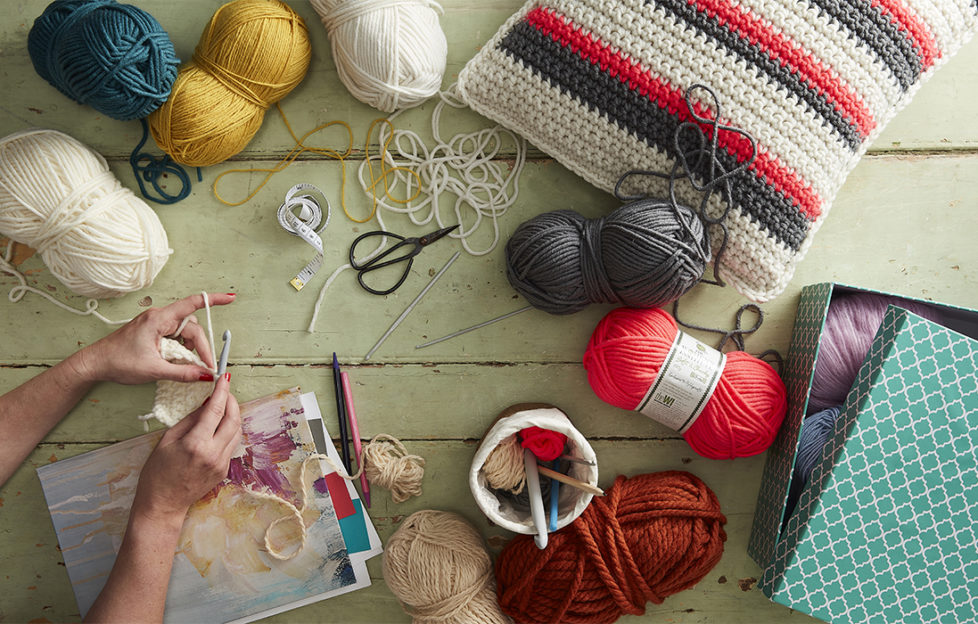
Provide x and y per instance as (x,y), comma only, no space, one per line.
(685,383)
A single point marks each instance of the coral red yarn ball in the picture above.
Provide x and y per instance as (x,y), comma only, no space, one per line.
(650,536)
(741,418)
(547,445)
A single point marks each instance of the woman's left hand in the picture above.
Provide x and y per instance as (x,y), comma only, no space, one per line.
(131,354)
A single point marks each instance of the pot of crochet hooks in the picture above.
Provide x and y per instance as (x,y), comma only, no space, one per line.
(497,478)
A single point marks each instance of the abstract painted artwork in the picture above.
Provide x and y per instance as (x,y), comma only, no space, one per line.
(222,571)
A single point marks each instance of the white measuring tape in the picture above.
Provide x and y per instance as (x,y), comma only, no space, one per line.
(306,225)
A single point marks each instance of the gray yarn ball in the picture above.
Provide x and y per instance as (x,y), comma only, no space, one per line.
(641,256)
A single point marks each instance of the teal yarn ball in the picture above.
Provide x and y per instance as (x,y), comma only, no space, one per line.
(113,57)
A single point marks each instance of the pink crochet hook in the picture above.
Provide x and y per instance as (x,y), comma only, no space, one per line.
(355,430)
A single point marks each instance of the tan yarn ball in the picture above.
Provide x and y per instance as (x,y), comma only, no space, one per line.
(437,565)
(251,54)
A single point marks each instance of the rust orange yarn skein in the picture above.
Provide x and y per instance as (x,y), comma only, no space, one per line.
(650,536)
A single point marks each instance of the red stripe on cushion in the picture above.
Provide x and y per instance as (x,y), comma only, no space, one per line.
(668,97)
(810,70)
(917,32)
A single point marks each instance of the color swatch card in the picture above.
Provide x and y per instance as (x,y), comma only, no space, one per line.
(362,540)
(222,571)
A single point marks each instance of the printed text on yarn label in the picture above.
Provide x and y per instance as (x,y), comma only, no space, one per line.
(684,384)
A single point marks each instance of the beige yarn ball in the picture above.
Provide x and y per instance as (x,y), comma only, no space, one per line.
(58,196)
(437,565)
(390,54)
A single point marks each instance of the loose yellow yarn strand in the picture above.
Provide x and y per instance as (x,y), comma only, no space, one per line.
(299,149)
(385,171)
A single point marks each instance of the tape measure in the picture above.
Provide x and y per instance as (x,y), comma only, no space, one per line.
(306,225)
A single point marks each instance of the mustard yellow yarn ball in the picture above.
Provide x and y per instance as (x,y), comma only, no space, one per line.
(251,54)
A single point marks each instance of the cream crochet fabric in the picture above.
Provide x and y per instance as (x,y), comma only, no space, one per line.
(599,85)
(175,399)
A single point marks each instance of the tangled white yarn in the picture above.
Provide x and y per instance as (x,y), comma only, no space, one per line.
(58,196)
(467,166)
(390,54)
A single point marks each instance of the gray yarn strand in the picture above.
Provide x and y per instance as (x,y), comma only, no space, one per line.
(646,253)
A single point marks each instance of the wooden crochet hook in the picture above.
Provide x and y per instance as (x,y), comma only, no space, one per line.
(571,481)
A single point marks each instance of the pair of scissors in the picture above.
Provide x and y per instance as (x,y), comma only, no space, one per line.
(411,246)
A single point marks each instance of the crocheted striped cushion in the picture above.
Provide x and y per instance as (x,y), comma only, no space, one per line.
(599,84)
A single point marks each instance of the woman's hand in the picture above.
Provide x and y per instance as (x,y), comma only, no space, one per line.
(131,354)
(190,459)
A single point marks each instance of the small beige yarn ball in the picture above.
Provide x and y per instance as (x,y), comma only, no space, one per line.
(437,565)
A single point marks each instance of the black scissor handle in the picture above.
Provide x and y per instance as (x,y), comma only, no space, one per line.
(375,263)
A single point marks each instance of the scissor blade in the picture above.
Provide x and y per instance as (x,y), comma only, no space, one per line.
(427,239)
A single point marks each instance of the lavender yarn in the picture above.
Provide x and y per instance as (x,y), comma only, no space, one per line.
(850,326)
(815,433)
(644,254)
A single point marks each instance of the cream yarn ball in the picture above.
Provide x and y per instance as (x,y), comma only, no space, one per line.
(437,565)
(390,54)
(58,196)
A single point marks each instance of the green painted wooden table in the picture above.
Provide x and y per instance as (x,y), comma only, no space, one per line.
(905,221)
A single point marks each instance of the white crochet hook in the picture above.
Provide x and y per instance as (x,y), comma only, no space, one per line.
(536,498)
(222,364)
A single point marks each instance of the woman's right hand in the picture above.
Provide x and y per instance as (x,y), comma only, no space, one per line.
(190,459)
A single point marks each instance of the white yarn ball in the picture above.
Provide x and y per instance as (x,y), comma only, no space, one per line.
(58,196)
(390,54)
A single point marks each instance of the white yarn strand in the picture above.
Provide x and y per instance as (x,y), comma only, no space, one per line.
(17,292)
(390,54)
(59,197)
(463,166)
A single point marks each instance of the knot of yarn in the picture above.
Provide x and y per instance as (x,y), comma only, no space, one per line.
(387,463)
(545,444)
(94,235)
(251,55)
(650,536)
(644,254)
(437,565)
(504,467)
(390,54)
(114,57)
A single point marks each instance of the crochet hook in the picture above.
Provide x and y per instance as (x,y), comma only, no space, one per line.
(222,363)
(571,481)
(536,498)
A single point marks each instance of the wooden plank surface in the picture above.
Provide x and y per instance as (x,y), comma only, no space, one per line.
(904,222)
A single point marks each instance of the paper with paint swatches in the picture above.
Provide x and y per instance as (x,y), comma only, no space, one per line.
(220,571)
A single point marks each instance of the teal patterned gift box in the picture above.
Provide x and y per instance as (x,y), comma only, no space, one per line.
(885,530)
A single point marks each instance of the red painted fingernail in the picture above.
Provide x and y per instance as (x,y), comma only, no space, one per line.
(206,377)
(232,294)
(227,376)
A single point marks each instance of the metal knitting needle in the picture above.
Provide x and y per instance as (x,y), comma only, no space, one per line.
(578,460)
(411,305)
(473,328)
